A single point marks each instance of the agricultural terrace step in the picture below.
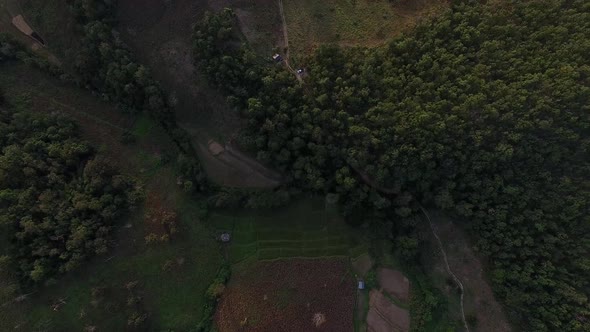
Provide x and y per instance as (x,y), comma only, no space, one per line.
(308,252)
(304,243)
(296,235)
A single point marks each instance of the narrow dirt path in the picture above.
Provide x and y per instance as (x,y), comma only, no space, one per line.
(286,38)
(455,278)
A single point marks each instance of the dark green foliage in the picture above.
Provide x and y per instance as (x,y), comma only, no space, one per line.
(482,112)
(58,200)
(93,10)
(371,280)
(230,67)
(426,302)
(106,65)
(213,294)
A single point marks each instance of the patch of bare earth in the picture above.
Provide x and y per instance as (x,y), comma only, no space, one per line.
(289,295)
(394,283)
(385,316)
(479,298)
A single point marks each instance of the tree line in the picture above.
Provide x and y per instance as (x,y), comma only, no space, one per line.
(482,112)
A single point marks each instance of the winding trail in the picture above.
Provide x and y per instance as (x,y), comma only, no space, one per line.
(286,39)
(455,278)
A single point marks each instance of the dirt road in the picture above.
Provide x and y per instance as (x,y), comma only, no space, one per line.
(286,39)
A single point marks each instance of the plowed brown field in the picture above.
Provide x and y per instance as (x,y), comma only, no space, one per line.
(289,295)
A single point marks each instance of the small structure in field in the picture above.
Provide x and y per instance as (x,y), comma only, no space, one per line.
(225,237)
(277,57)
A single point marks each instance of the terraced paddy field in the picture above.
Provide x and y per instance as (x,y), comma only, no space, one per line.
(291,269)
(305,229)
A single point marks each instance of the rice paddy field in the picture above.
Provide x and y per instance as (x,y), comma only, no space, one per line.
(305,228)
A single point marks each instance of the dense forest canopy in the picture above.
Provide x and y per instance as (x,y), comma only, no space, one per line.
(483,112)
(58,199)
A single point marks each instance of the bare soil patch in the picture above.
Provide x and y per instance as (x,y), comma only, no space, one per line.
(289,295)
(394,283)
(20,23)
(385,316)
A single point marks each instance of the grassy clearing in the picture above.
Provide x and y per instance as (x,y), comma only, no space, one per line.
(351,22)
(171,278)
(304,229)
(143,126)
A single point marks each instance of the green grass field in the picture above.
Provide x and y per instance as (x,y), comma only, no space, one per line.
(351,22)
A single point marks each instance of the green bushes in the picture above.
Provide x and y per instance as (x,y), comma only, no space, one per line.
(213,294)
(423,305)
